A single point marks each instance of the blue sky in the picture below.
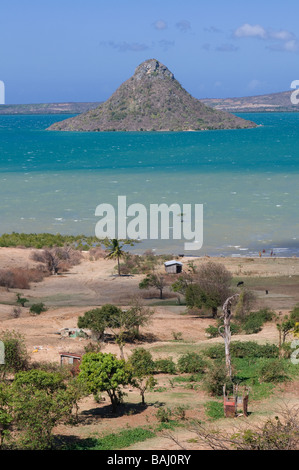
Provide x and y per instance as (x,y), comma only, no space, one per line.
(75,50)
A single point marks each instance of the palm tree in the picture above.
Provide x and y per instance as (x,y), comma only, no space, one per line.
(115,251)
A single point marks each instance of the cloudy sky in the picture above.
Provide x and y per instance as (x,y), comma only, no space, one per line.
(82,50)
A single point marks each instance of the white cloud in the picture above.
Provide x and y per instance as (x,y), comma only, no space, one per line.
(281,35)
(288,46)
(287,41)
(160,25)
(248,30)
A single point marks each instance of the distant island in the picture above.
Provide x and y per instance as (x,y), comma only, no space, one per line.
(274,102)
(152,100)
(47,108)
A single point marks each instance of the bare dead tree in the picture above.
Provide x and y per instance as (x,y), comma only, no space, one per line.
(225,332)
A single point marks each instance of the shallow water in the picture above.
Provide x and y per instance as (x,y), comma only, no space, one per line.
(247,180)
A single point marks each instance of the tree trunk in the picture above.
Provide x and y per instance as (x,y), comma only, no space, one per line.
(226,333)
(214,312)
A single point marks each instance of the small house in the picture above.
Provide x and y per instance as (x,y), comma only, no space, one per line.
(173,266)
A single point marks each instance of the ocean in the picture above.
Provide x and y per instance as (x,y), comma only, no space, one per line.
(247,181)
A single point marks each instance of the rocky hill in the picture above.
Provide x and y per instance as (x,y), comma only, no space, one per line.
(152,100)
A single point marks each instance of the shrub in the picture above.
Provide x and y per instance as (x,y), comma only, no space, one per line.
(16,357)
(253,322)
(252,325)
(19,278)
(214,409)
(191,363)
(272,371)
(216,378)
(248,349)
(142,362)
(165,366)
(294,316)
(37,309)
(163,415)
(212,331)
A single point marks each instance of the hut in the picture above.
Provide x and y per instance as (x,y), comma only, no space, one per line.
(72,359)
(173,266)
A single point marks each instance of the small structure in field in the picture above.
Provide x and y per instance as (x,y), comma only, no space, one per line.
(74,333)
(72,359)
(173,266)
(231,404)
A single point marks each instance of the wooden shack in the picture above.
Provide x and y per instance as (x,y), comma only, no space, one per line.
(72,359)
(173,266)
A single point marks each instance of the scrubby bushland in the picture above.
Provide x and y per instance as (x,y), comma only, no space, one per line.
(278,433)
(20,278)
(58,259)
(41,240)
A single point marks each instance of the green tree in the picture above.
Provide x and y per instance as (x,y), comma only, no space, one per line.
(285,327)
(211,287)
(125,324)
(40,402)
(16,356)
(143,367)
(21,300)
(153,280)
(37,309)
(115,252)
(103,372)
(98,319)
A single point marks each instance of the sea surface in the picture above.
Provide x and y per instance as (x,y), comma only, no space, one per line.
(247,181)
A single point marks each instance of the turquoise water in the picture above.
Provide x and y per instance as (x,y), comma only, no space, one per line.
(247,180)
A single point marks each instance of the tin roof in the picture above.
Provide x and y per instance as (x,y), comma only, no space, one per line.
(172,262)
(70,354)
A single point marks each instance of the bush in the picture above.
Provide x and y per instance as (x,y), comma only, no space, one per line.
(216,378)
(165,366)
(142,362)
(16,357)
(294,316)
(190,363)
(214,409)
(252,325)
(213,331)
(37,309)
(254,321)
(163,415)
(248,349)
(272,371)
